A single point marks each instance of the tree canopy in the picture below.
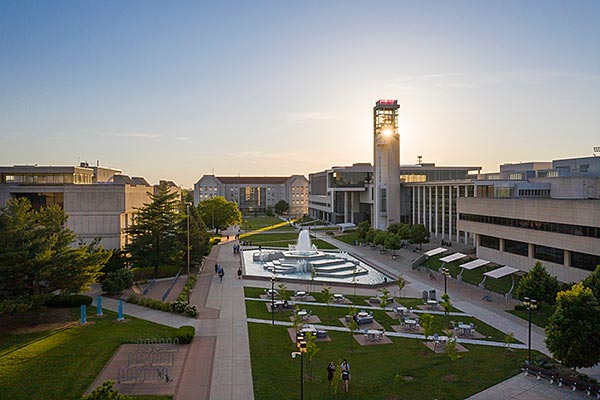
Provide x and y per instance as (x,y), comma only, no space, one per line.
(593,282)
(40,255)
(380,238)
(393,242)
(198,235)
(155,232)
(281,207)
(538,284)
(361,230)
(419,234)
(572,331)
(218,213)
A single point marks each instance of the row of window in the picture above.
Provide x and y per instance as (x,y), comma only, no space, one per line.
(544,253)
(534,192)
(567,229)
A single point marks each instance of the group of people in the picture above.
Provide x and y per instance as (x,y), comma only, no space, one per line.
(345,373)
(236,249)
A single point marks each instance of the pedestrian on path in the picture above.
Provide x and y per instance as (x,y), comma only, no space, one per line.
(221,273)
(240,273)
(216,268)
(330,372)
(345,367)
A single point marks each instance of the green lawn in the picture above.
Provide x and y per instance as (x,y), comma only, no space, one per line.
(249,223)
(374,368)
(475,276)
(62,363)
(347,237)
(539,317)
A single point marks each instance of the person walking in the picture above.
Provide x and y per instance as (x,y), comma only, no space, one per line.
(239,273)
(345,367)
(216,268)
(221,273)
(330,372)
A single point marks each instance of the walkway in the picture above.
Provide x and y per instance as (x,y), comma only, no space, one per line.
(218,365)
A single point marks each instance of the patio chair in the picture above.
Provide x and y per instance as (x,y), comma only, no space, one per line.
(436,340)
(425,296)
(432,295)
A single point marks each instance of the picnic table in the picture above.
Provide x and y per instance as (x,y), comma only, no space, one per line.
(300,294)
(338,297)
(411,323)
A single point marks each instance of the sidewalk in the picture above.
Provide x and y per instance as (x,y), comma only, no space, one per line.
(218,364)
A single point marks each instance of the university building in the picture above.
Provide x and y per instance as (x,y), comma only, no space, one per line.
(100,202)
(256,194)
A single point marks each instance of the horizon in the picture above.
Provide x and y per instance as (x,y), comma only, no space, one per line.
(281,89)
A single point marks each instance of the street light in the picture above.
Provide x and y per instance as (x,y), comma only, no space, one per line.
(446,273)
(301,345)
(273,279)
(188,204)
(530,305)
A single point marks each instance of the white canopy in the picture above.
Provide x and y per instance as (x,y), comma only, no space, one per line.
(434,252)
(501,272)
(474,264)
(453,257)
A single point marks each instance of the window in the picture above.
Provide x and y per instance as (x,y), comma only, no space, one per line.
(489,242)
(584,261)
(514,247)
(550,254)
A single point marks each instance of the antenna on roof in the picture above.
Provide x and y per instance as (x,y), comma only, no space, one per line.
(419,158)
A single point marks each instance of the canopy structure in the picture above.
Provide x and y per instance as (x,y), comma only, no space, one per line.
(346,225)
(501,273)
(453,257)
(473,265)
(434,252)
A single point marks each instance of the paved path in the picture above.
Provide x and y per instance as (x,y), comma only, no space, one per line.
(218,365)
(521,387)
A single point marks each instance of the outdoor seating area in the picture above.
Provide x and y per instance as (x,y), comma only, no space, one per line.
(362,317)
(465,330)
(430,300)
(340,298)
(408,325)
(307,317)
(368,337)
(321,335)
(279,305)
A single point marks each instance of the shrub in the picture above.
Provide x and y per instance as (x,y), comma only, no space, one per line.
(183,295)
(105,392)
(117,281)
(182,307)
(179,307)
(69,301)
(185,334)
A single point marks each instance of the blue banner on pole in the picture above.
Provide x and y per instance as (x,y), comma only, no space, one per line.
(83,312)
(99,306)
(120,316)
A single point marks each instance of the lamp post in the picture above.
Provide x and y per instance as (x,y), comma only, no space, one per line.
(530,305)
(188,252)
(301,345)
(273,279)
(446,273)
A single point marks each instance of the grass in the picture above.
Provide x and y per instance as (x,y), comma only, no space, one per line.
(348,238)
(331,315)
(475,276)
(249,222)
(62,363)
(375,368)
(539,317)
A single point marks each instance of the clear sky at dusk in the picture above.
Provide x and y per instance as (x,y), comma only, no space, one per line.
(173,90)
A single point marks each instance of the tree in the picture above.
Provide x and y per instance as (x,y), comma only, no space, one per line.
(393,242)
(394,227)
(352,324)
(427,324)
(593,282)
(198,235)
(380,238)
(572,331)
(361,230)
(117,281)
(446,304)
(327,296)
(451,350)
(105,392)
(370,236)
(156,230)
(297,321)
(384,297)
(401,283)
(282,207)
(38,256)
(311,350)
(218,213)
(282,293)
(404,232)
(419,234)
(538,284)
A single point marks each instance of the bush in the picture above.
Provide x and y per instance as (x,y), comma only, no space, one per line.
(69,301)
(182,307)
(117,281)
(183,295)
(185,334)
(105,392)
(520,307)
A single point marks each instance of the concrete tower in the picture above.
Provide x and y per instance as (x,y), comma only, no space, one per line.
(386,160)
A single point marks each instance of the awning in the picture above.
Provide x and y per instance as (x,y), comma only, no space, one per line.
(434,252)
(501,272)
(474,264)
(453,257)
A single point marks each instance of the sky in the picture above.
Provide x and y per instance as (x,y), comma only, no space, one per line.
(176,89)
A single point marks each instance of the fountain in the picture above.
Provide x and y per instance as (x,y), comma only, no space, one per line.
(303,259)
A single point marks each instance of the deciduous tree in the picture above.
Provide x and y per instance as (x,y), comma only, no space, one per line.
(419,234)
(572,331)
(218,213)
(538,284)
(282,207)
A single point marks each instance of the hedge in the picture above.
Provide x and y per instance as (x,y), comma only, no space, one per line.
(185,334)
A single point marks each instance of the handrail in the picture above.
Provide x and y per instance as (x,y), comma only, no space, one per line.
(172,284)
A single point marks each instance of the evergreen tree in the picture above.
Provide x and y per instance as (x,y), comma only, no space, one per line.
(538,284)
(155,232)
(39,255)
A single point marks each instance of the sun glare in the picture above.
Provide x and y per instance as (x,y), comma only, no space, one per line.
(387,132)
